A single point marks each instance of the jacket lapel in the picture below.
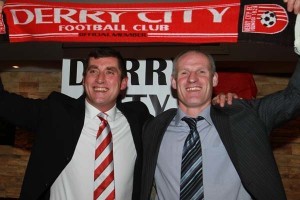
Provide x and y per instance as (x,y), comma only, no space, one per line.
(221,122)
(77,114)
(155,132)
(134,126)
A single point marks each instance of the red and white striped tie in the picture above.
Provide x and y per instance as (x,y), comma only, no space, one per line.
(104,184)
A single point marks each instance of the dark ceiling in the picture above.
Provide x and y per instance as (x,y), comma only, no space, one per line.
(239,57)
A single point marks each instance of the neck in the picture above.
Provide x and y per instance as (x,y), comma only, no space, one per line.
(193,111)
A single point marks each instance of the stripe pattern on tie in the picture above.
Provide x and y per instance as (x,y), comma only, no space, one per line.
(191,183)
(104,185)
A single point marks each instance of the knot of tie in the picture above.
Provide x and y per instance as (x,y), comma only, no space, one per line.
(104,121)
(102,117)
(192,122)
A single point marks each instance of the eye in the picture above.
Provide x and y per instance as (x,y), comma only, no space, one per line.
(202,72)
(92,71)
(110,72)
(183,73)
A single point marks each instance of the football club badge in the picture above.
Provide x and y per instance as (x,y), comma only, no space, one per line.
(264,18)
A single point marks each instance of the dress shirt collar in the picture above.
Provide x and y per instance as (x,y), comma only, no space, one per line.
(205,114)
(92,112)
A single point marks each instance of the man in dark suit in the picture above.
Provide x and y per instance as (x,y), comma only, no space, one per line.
(61,165)
(235,160)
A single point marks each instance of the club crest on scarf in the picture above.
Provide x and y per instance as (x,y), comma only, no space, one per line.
(264,18)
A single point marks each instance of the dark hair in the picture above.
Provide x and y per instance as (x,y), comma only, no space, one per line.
(104,52)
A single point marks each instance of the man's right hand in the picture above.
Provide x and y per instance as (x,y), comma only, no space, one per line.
(222,99)
(293,6)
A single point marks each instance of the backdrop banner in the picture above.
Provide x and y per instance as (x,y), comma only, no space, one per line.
(149,82)
(177,22)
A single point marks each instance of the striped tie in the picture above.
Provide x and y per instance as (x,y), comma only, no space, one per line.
(104,186)
(191,184)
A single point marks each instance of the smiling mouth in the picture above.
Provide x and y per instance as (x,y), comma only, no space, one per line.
(193,89)
(100,89)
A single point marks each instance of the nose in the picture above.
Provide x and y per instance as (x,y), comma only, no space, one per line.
(192,77)
(100,78)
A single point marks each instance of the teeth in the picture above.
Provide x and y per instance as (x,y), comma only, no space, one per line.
(193,89)
(101,89)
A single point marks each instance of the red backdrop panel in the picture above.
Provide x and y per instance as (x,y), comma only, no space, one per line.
(242,84)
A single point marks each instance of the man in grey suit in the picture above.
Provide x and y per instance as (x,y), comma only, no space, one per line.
(235,159)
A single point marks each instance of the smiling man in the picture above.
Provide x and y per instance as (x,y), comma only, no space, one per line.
(63,162)
(202,151)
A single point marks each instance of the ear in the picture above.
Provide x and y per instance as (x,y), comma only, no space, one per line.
(124,83)
(215,79)
(173,83)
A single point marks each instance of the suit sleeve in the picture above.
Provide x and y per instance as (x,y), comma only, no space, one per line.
(295,79)
(281,106)
(1,85)
(18,110)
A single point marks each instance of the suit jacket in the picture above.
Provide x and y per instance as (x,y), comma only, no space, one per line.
(244,130)
(57,122)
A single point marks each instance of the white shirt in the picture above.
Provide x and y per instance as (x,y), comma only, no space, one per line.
(77,179)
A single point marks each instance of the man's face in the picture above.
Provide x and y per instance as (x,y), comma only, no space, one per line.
(102,82)
(194,82)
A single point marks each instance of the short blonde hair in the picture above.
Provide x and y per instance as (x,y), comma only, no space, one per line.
(209,57)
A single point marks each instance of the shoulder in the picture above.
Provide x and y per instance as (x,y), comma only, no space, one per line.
(59,95)
(60,98)
(164,117)
(133,106)
(168,113)
(135,110)
(238,105)
(158,124)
